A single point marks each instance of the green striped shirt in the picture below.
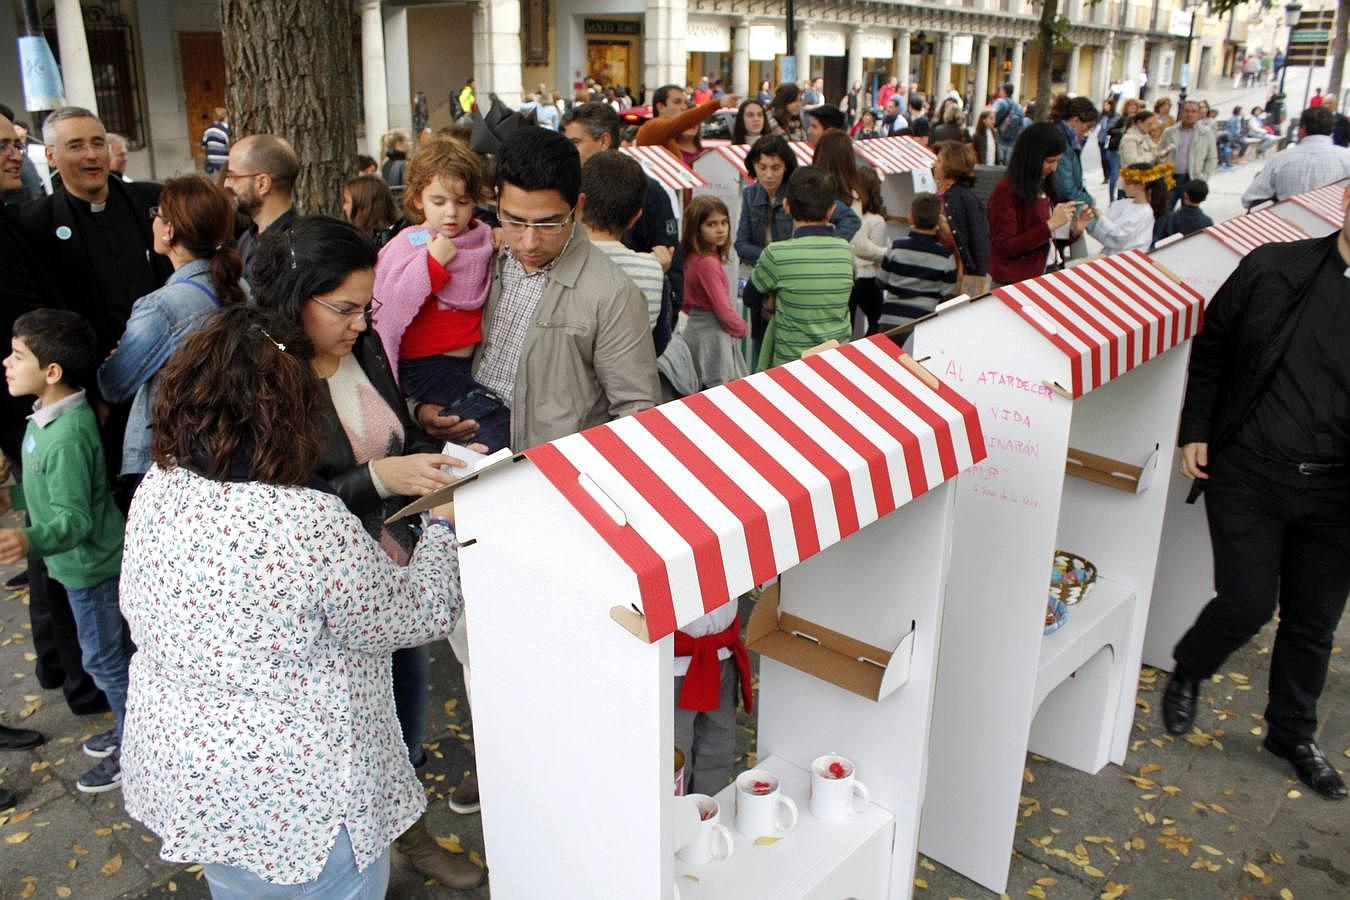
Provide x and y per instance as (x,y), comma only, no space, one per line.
(812,277)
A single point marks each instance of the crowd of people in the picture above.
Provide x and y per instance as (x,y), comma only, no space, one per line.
(234,397)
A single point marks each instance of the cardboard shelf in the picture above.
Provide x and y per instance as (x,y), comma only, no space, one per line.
(844,661)
(1112,473)
(802,862)
(1102,618)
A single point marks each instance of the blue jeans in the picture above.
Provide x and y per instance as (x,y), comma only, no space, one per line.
(339,880)
(104,641)
(1111,168)
(412,668)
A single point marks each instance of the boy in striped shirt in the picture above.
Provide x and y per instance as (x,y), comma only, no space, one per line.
(615,187)
(919,271)
(810,275)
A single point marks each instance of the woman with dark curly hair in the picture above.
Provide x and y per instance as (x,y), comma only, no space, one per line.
(259,740)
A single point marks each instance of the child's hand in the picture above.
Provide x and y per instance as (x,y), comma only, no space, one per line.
(767,304)
(13,545)
(1087,215)
(442,249)
(6,503)
(4,469)
(497,238)
(663,255)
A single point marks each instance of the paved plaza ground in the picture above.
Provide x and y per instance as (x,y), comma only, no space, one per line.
(1208,816)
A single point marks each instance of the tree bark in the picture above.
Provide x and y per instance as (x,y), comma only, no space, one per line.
(290,68)
(1045,57)
(1338,51)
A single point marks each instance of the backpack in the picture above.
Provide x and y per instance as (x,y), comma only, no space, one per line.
(1008,120)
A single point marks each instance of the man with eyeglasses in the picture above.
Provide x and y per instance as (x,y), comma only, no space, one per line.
(25,286)
(260,173)
(566,340)
(92,234)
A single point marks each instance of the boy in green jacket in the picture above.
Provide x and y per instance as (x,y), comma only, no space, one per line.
(75,525)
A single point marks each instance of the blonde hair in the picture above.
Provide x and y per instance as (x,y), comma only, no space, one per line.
(440,159)
(393,138)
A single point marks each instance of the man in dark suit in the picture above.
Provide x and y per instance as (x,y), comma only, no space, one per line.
(25,286)
(92,234)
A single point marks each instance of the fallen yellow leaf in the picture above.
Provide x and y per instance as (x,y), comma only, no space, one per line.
(766,841)
(29,890)
(928,865)
(1150,768)
(450,843)
(17,837)
(102,832)
(1212,851)
(1047,881)
(1093,871)
(476,859)
(1035,891)
(1286,894)
(920,883)
(173,887)
(62,891)
(112,866)
(1254,870)
(1276,858)
(19,817)
(72,863)
(1059,811)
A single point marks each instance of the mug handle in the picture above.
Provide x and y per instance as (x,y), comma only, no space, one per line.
(860,790)
(722,835)
(791,806)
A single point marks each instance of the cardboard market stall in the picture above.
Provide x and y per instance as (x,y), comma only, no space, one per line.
(906,169)
(581,557)
(1316,209)
(1078,376)
(1185,578)
(667,168)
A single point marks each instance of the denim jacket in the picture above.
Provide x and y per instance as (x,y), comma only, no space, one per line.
(1069,175)
(159,322)
(756,208)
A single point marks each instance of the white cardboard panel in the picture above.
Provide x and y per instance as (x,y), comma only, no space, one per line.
(1304,218)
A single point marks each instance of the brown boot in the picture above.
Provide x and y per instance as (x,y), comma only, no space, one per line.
(417,848)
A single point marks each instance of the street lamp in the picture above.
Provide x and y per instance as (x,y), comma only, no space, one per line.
(1186,61)
(1291,15)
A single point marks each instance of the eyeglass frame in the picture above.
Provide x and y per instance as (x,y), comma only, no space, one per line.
(16,145)
(366,312)
(549,228)
(156,213)
(228,174)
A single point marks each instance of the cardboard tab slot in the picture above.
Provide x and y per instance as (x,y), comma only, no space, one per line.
(843,661)
(1112,473)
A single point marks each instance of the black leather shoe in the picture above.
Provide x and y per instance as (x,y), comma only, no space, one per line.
(1312,766)
(1179,703)
(8,799)
(19,738)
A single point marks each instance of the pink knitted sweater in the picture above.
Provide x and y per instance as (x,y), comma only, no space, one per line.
(403,284)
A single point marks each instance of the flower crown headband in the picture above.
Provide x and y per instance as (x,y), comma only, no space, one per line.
(1148,176)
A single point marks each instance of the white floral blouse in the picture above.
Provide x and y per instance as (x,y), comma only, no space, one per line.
(260,717)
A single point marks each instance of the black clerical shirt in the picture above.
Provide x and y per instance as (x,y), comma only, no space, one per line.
(1304,413)
(115,242)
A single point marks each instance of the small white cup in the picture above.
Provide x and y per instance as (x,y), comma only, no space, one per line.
(713,840)
(833,796)
(761,805)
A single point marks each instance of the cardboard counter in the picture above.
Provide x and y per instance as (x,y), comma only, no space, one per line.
(581,557)
(1078,376)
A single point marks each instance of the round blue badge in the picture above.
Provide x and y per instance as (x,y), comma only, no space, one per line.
(64,233)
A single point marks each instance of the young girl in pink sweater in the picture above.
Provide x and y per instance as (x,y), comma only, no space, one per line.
(714,329)
(432,281)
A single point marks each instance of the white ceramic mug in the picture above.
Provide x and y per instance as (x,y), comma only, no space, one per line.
(833,794)
(713,840)
(760,805)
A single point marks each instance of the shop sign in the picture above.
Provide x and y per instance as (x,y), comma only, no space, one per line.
(613,26)
(1180,26)
(826,43)
(707,36)
(877,46)
(767,41)
(962,45)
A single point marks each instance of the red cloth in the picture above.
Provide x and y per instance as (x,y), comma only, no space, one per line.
(1019,238)
(437,329)
(703,681)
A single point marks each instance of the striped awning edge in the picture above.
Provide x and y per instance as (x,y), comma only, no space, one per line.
(722,490)
(1243,234)
(665,167)
(1327,202)
(895,155)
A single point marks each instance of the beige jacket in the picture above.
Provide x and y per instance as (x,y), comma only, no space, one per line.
(588,356)
(1137,147)
(1203,157)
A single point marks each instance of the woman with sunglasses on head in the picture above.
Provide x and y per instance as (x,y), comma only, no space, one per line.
(319,277)
(193,228)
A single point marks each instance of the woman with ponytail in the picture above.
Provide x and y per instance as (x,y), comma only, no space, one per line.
(194,227)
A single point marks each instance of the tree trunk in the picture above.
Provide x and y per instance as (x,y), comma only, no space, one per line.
(1338,51)
(290,68)
(1045,56)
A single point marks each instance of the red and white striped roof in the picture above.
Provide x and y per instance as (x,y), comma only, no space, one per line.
(725,489)
(665,167)
(895,155)
(736,154)
(1243,234)
(1327,202)
(1109,315)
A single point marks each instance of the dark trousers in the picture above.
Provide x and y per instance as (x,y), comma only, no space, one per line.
(866,296)
(445,379)
(1279,538)
(412,668)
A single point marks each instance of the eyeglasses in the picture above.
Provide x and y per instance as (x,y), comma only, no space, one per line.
(229,174)
(15,146)
(155,213)
(351,313)
(511,226)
